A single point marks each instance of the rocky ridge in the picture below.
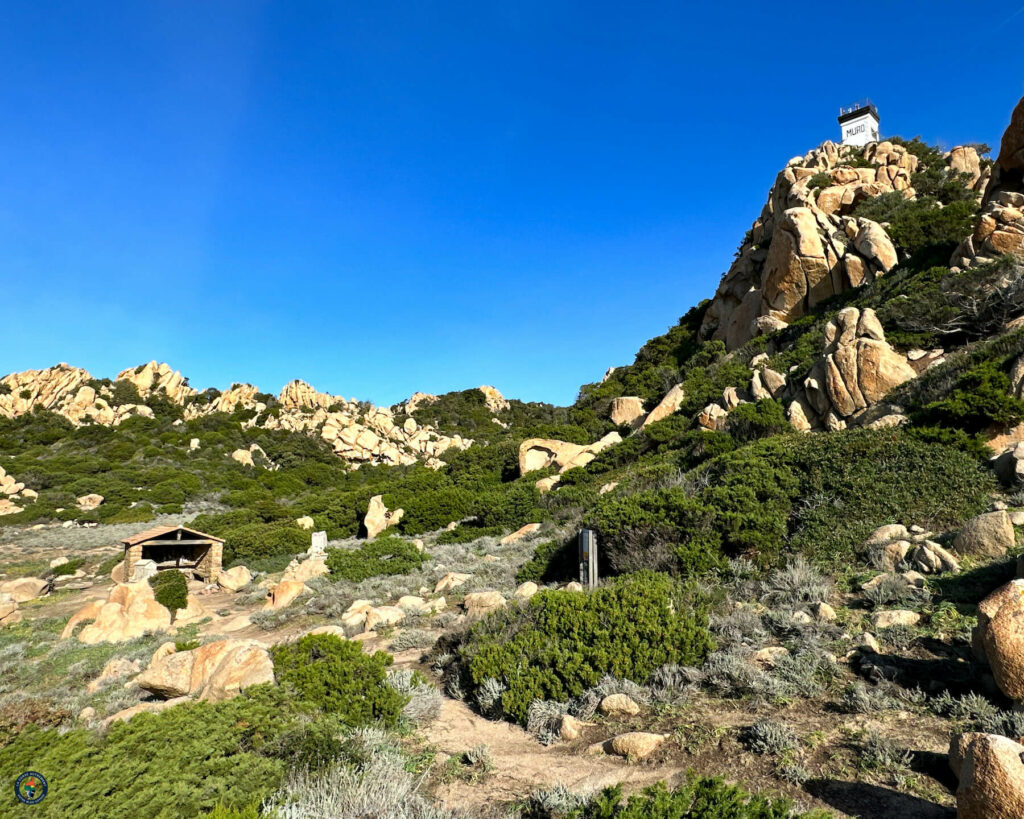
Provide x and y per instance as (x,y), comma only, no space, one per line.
(357,431)
(805,246)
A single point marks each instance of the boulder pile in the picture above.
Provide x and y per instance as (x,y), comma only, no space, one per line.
(358,432)
(1000,227)
(805,246)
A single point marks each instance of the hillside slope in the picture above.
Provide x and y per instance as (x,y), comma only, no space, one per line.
(808,502)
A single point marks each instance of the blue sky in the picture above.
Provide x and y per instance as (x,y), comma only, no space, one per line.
(388,197)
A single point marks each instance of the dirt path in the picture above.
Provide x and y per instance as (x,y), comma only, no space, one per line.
(521,764)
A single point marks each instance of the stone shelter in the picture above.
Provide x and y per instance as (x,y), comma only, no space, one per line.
(175,547)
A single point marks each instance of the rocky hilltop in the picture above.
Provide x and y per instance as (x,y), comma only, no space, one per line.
(359,432)
(806,246)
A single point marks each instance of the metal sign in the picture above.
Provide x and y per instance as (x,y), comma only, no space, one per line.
(588,558)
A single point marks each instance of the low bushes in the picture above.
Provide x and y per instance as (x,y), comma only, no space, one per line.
(562,643)
(336,677)
(384,555)
(817,495)
(179,763)
(698,798)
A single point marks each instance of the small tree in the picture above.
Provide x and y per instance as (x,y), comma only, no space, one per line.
(170,590)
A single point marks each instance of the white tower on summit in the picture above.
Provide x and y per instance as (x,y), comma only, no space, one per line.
(859,123)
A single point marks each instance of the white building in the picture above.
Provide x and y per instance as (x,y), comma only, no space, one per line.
(859,123)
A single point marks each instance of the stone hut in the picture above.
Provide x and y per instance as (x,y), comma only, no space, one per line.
(174,547)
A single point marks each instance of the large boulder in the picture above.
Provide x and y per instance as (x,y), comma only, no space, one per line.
(89,502)
(129,611)
(193,612)
(796,270)
(379,517)
(626,409)
(519,534)
(215,671)
(450,580)
(307,569)
(618,705)
(1000,632)
(636,744)
(235,579)
(116,669)
(284,594)
(873,243)
(540,453)
(988,535)
(24,589)
(481,603)
(991,772)
(669,405)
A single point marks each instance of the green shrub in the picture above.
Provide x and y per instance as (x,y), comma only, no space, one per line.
(748,422)
(170,589)
(254,541)
(917,223)
(177,764)
(818,495)
(697,798)
(426,511)
(384,555)
(561,643)
(823,179)
(143,513)
(467,534)
(982,398)
(72,566)
(552,560)
(338,678)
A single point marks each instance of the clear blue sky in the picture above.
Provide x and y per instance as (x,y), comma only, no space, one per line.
(388,197)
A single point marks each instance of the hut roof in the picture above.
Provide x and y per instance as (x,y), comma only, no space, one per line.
(160,531)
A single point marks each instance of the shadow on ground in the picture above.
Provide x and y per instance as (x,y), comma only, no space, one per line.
(866,801)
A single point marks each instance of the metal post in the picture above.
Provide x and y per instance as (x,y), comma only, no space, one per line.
(588,558)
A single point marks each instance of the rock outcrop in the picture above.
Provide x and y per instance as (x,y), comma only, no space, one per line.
(284,594)
(805,246)
(626,409)
(494,400)
(539,453)
(358,432)
(23,589)
(129,611)
(153,378)
(216,671)
(668,405)
(235,579)
(1000,227)
(379,517)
